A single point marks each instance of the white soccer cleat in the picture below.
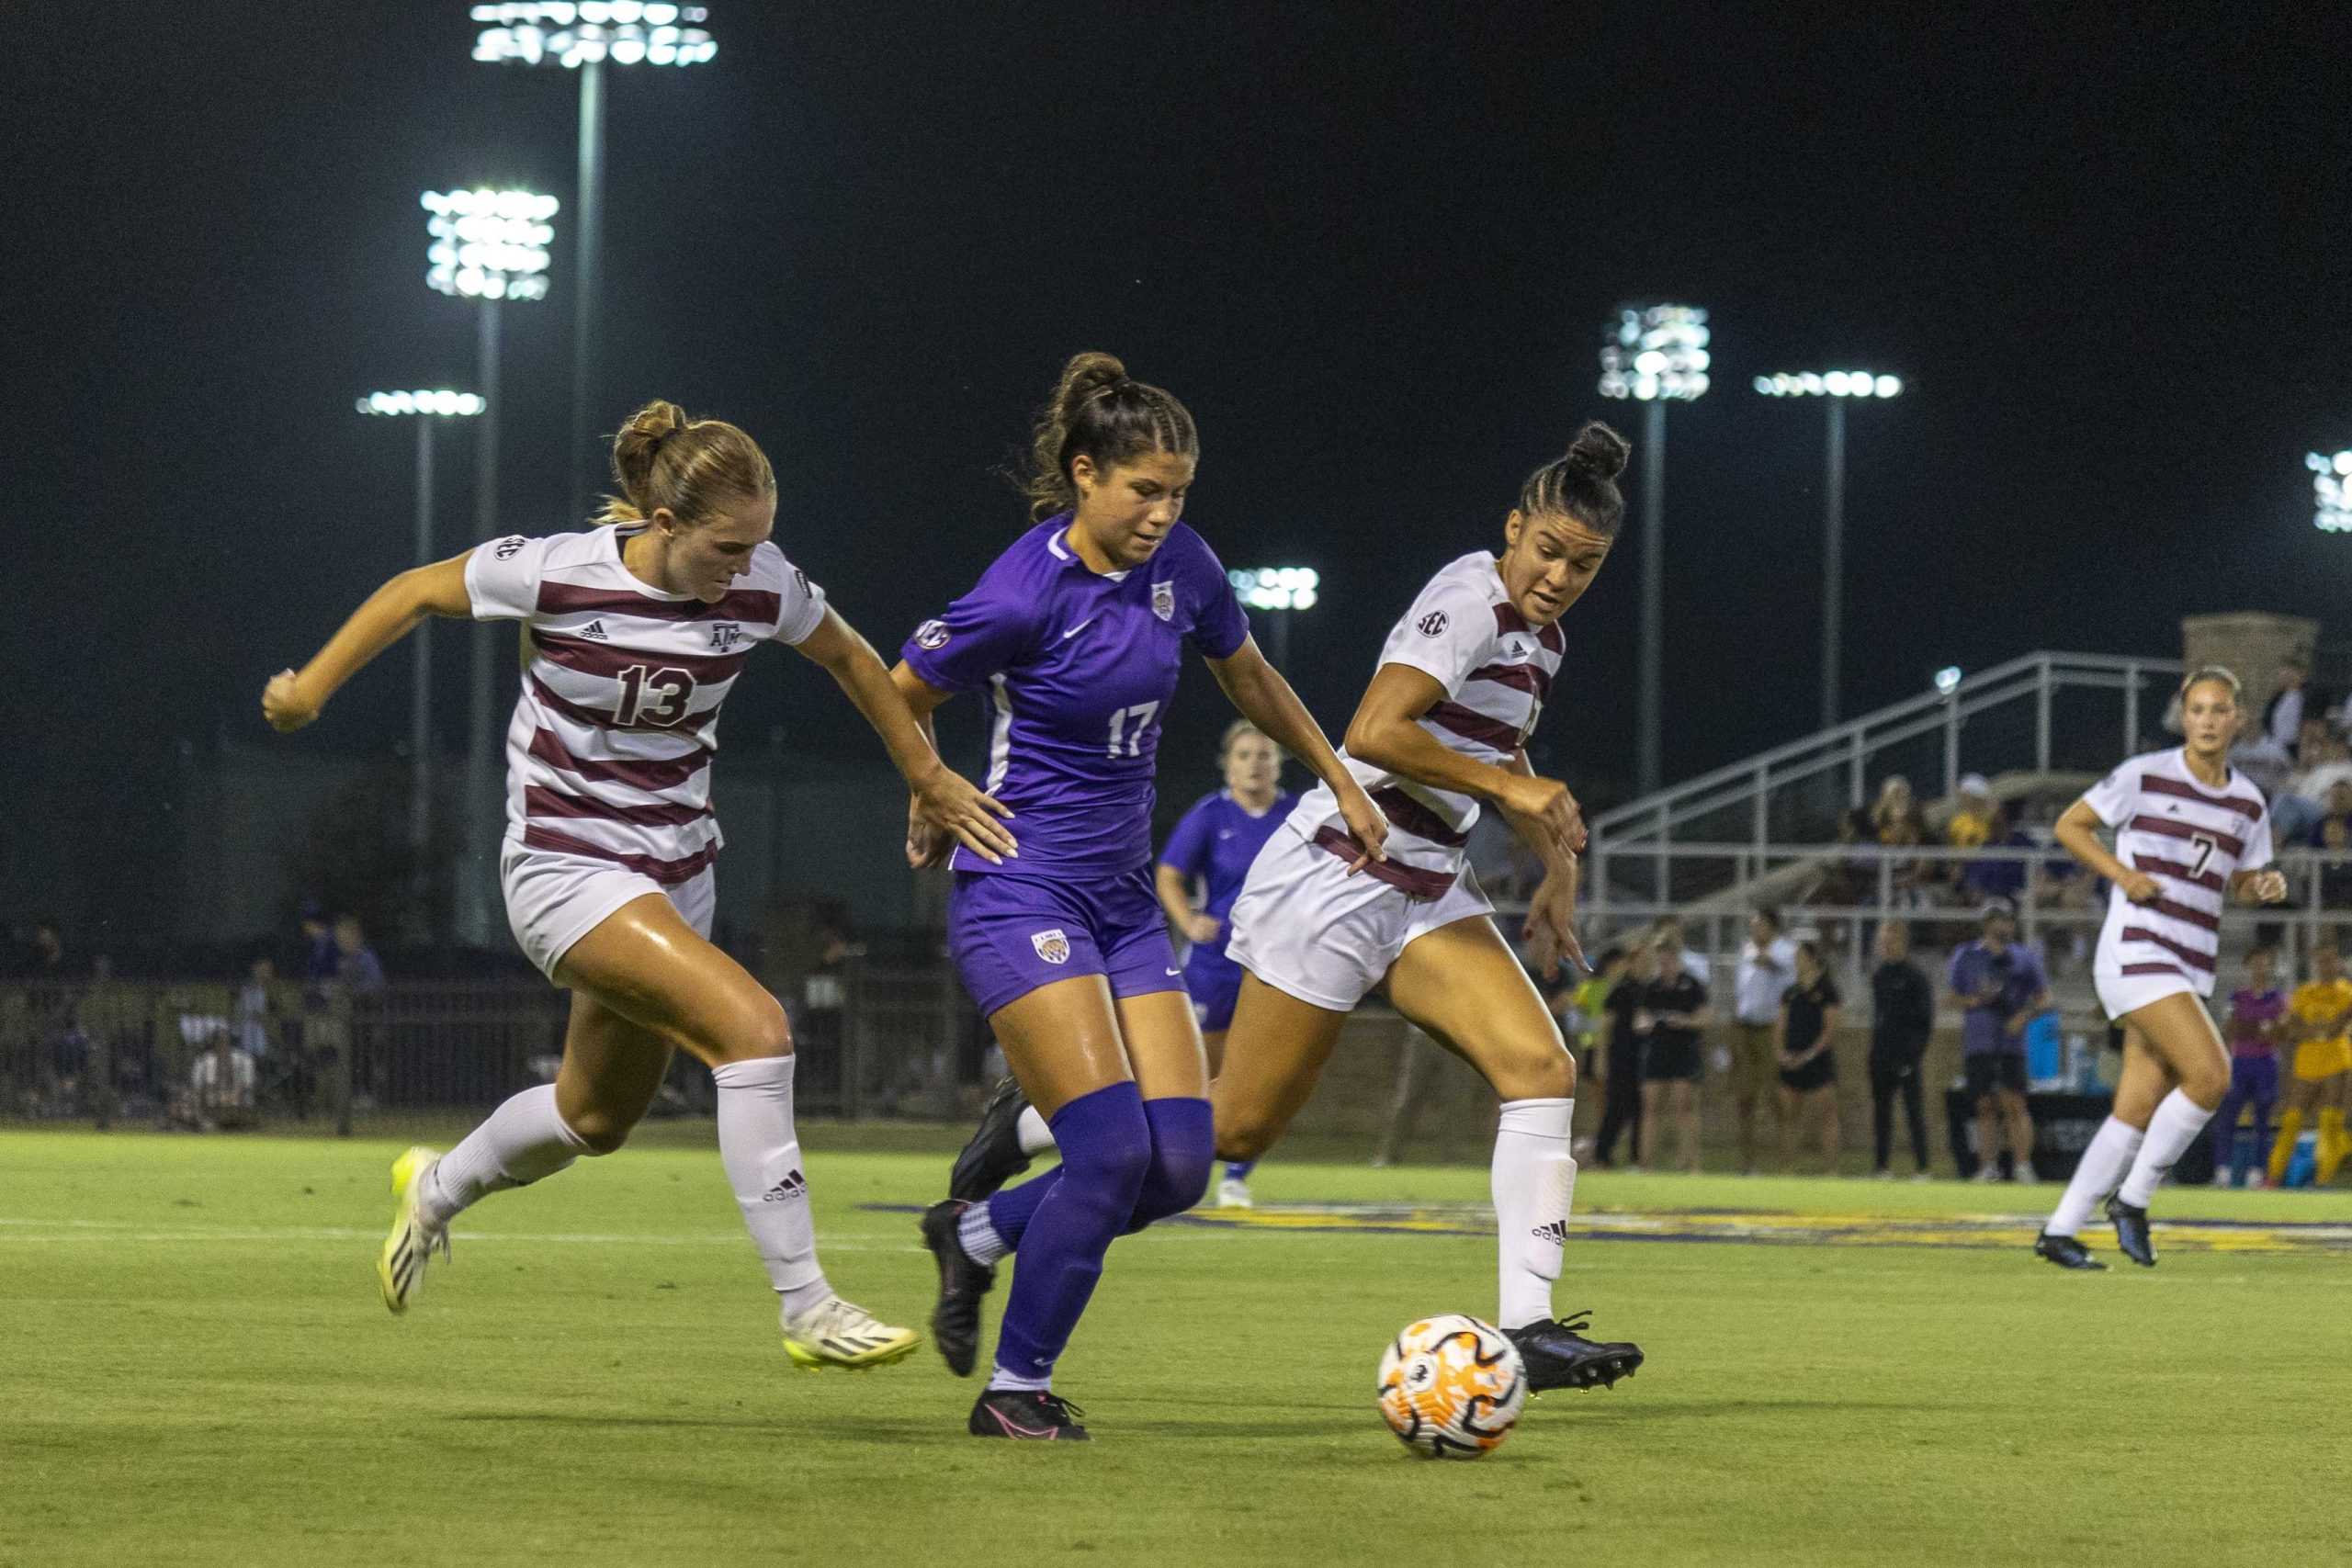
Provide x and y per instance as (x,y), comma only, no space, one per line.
(1988,1171)
(836,1333)
(400,1266)
(2025,1176)
(1233,1193)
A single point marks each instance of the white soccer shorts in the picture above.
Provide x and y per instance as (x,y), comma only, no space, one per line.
(1307,928)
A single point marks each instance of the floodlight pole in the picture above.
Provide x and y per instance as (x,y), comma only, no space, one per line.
(420,711)
(484,823)
(1648,760)
(588,263)
(1833,562)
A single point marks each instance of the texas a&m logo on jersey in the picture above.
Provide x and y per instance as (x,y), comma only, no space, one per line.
(1163,599)
(1051,945)
(725,635)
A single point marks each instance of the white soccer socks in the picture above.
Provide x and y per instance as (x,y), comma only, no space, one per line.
(2099,1172)
(1535,1183)
(2175,1125)
(521,1142)
(762,1153)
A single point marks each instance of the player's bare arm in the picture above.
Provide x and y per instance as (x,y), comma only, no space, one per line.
(942,797)
(2077,831)
(1386,732)
(1260,695)
(293,698)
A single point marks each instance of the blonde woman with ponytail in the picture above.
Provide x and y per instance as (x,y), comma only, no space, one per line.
(635,632)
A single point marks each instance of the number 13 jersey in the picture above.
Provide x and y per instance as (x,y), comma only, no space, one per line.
(2191,839)
(608,754)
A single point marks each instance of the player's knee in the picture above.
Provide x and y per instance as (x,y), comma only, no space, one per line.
(762,1031)
(1177,1179)
(1547,1074)
(602,1130)
(2206,1086)
(1112,1162)
(1244,1133)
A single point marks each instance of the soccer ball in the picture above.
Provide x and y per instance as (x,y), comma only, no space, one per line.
(1452,1387)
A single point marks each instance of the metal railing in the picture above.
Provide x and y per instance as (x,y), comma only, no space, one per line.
(1739,799)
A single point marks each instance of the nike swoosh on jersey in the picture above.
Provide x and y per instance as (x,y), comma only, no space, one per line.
(1078,628)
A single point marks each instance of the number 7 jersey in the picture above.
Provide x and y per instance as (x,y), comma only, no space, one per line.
(608,754)
(2192,839)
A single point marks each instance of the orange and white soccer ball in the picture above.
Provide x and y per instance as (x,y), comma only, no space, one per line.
(1452,1387)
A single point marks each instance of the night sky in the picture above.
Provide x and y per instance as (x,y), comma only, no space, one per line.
(1372,247)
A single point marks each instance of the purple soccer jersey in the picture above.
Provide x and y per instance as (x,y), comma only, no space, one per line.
(1215,841)
(1079,667)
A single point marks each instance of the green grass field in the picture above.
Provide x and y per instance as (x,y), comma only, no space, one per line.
(194,1368)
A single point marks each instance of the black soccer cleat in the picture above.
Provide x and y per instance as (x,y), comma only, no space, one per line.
(2131,1232)
(993,1157)
(2064,1251)
(1026,1415)
(1557,1356)
(956,1320)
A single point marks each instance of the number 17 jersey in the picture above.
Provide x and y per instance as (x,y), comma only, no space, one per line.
(2191,839)
(1079,667)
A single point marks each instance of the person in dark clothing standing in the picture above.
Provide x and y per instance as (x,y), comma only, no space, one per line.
(1622,1088)
(1903,1014)
(1676,1010)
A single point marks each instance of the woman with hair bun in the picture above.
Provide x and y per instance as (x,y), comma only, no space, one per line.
(2191,833)
(635,631)
(1077,633)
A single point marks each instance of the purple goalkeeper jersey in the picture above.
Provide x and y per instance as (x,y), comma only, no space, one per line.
(1215,841)
(1079,667)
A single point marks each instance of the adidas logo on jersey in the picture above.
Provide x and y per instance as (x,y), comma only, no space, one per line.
(594,629)
(794,1185)
(1552,1231)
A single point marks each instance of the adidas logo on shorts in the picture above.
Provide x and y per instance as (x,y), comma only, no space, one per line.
(794,1185)
(1554,1231)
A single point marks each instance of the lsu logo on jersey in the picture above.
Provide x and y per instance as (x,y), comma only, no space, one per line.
(1051,945)
(1434,624)
(931,635)
(1163,599)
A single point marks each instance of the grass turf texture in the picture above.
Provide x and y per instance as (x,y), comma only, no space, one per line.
(194,1368)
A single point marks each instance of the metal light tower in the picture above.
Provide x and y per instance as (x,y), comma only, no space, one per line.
(427,409)
(1836,385)
(2331,491)
(582,38)
(1282,591)
(1654,354)
(488,246)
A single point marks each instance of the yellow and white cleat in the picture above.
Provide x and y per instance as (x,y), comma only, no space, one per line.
(400,1268)
(842,1334)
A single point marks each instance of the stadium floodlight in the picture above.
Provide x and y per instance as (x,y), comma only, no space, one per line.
(583,38)
(1838,386)
(1280,590)
(428,409)
(1653,355)
(2331,489)
(489,245)
(1948,680)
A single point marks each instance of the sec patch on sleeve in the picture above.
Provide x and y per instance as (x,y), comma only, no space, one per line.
(1434,624)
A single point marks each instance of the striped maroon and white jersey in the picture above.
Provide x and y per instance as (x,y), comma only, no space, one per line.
(1496,669)
(608,754)
(2191,839)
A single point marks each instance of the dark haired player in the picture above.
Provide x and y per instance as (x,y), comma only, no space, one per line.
(1077,633)
(1441,732)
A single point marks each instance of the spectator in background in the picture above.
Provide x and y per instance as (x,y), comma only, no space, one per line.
(2257,1023)
(356,964)
(1972,818)
(1996,877)
(1621,1082)
(1810,1010)
(1695,963)
(1849,882)
(1767,966)
(318,955)
(2002,987)
(254,1015)
(2282,718)
(1675,1008)
(2299,803)
(221,1087)
(2335,863)
(1896,823)
(1903,1014)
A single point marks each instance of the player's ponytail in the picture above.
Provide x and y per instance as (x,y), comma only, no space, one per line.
(694,466)
(1098,411)
(1582,481)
